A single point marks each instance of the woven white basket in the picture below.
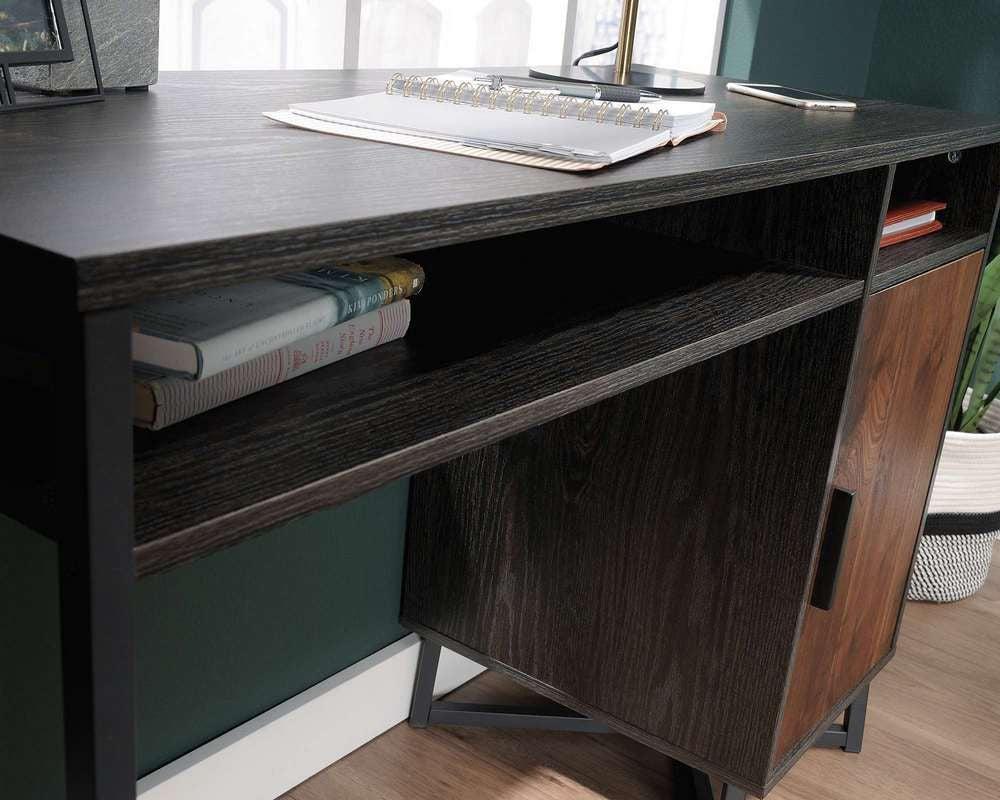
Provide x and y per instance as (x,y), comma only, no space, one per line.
(990,423)
(955,553)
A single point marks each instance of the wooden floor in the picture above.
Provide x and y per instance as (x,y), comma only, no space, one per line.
(933,732)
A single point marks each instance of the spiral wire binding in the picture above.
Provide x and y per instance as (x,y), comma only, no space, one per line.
(421,86)
(443,89)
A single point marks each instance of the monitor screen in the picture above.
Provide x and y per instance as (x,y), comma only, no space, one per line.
(28,26)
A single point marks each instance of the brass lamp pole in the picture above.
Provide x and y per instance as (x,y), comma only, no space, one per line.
(626,40)
(624,72)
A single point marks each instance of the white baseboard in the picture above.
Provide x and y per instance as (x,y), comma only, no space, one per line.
(267,756)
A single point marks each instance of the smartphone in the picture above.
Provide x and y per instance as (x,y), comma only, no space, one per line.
(792,97)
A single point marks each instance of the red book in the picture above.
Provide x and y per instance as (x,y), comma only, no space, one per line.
(910,220)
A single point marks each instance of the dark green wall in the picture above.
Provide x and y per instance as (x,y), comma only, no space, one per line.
(30,698)
(815,45)
(913,51)
(810,44)
(227,637)
(739,37)
(939,54)
(218,641)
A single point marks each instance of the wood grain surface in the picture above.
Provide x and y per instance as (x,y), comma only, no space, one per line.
(969,182)
(931,733)
(971,188)
(830,223)
(911,338)
(646,560)
(906,260)
(188,185)
(450,763)
(476,374)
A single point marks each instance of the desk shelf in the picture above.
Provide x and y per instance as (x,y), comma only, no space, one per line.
(336,433)
(968,182)
(906,260)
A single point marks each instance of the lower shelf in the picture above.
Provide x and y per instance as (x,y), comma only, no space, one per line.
(900,262)
(338,432)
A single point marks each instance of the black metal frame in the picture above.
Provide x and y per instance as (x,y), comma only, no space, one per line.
(72,387)
(96,562)
(849,736)
(689,782)
(40,99)
(61,54)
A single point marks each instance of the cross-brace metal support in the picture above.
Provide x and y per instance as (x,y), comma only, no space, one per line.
(689,782)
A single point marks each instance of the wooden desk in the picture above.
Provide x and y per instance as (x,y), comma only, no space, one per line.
(621,490)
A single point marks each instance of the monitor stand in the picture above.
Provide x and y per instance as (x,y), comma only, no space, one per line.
(648,78)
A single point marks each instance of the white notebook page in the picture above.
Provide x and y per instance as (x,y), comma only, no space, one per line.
(568,137)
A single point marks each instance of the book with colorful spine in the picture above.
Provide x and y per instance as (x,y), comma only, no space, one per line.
(208,331)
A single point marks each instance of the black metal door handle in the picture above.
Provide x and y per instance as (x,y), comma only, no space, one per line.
(831,554)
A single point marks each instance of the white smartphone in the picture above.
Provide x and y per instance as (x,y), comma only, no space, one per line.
(792,97)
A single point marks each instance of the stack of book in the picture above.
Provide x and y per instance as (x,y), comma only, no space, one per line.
(910,220)
(201,350)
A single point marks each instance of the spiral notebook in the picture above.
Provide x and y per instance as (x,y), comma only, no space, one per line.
(454,113)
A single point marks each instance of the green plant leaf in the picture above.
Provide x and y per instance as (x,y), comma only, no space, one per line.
(984,382)
(973,425)
(981,351)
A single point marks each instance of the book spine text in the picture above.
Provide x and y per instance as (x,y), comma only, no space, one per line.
(177,399)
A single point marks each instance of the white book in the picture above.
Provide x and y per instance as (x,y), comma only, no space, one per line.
(161,400)
(203,333)
(909,224)
(456,110)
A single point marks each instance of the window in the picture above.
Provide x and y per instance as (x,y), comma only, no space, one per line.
(324,34)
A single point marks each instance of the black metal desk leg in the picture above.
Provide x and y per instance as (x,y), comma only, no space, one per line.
(849,736)
(96,564)
(689,783)
(854,722)
(694,784)
(423,686)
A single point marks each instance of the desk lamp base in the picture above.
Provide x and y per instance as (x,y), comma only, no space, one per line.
(665,82)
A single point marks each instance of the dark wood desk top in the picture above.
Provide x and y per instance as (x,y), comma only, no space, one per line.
(190,186)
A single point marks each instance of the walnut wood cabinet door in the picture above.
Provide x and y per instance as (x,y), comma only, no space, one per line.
(911,339)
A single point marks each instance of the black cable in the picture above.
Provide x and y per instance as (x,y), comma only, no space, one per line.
(600,51)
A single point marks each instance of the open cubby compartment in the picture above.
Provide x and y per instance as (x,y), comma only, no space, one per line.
(969,182)
(508,334)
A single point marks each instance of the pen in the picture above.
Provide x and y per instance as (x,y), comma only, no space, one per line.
(590,91)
